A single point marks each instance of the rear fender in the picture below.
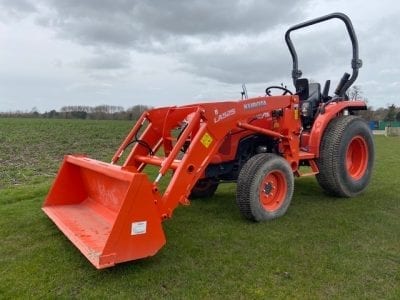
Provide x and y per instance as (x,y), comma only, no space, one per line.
(332,110)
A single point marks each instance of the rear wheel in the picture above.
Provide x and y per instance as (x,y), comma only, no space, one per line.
(346,157)
(264,187)
(204,188)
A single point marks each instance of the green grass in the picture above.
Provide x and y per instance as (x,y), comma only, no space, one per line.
(32,149)
(322,248)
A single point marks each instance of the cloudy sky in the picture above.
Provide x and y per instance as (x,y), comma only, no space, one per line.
(126,52)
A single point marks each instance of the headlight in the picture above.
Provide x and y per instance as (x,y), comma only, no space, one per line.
(306,109)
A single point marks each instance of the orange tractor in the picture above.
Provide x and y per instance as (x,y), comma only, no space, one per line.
(113,212)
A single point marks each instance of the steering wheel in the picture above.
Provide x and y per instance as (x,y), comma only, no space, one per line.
(285,90)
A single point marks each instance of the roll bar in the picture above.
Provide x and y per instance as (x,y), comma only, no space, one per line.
(356,62)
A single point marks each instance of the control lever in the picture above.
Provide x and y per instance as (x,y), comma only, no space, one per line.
(342,82)
(325,92)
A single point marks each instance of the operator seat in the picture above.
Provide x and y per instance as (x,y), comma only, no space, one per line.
(310,98)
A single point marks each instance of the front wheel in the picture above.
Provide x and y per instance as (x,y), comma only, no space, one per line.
(264,187)
(346,157)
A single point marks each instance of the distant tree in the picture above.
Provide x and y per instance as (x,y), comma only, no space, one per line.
(379,114)
(367,114)
(391,113)
(355,92)
(76,114)
(101,112)
(34,112)
(135,112)
(107,112)
(53,113)
(65,112)
(398,116)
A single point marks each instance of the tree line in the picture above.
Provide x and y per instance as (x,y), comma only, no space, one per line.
(391,113)
(100,112)
(388,114)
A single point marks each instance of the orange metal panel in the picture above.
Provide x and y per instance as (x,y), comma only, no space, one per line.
(99,206)
(323,120)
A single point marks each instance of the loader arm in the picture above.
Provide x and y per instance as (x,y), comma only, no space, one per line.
(113,212)
(206,126)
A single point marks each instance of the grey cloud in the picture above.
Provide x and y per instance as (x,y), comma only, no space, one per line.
(214,17)
(252,62)
(18,5)
(169,26)
(261,59)
(139,21)
(16,8)
(381,38)
(106,61)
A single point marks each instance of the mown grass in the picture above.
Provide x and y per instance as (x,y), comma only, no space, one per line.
(322,248)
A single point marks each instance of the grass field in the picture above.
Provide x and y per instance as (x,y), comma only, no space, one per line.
(322,248)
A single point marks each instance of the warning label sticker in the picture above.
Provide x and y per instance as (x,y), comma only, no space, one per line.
(139,227)
(206,140)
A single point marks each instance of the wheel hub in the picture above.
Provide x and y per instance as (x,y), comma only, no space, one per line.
(273,190)
(268,188)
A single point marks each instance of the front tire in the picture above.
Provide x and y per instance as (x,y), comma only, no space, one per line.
(346,157)
(264,187)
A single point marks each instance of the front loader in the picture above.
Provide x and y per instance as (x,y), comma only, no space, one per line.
(113,212)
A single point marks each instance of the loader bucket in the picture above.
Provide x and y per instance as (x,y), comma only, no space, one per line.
(107,212)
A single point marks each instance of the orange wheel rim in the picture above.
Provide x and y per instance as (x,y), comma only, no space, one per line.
(273,190)
(357,157)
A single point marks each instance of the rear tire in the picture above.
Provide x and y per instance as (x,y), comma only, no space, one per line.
(264,187)
(346,157)
(204,188)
